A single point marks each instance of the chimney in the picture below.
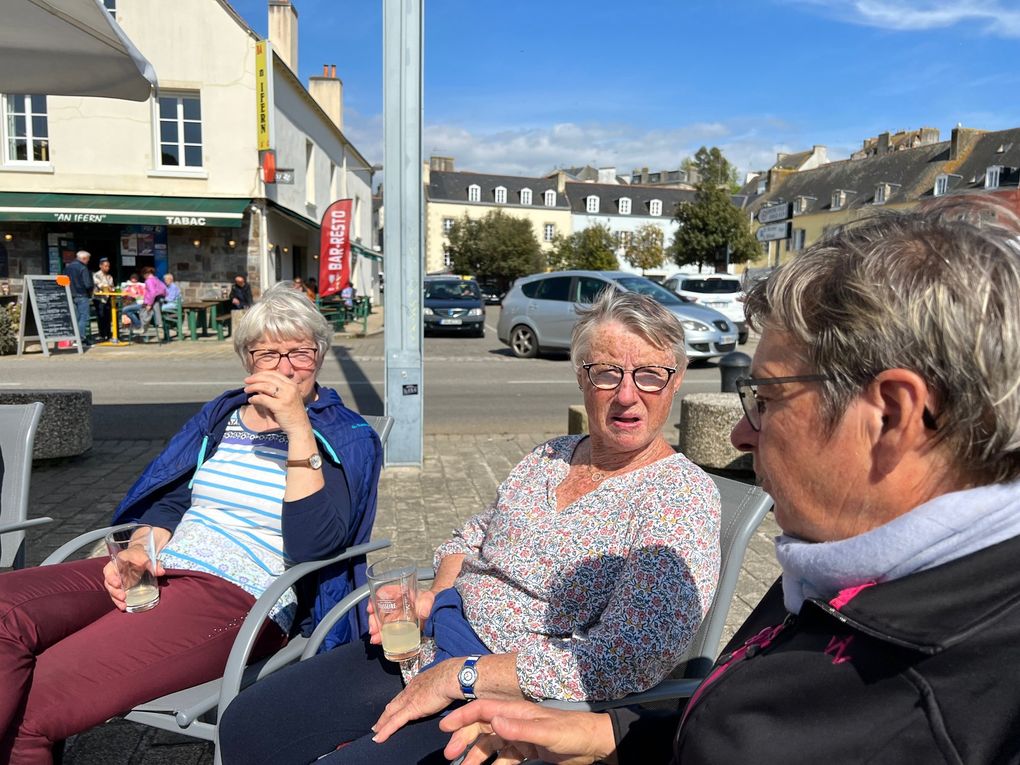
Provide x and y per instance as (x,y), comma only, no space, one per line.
(883,143)
(962,142)
(283,32)
(328,93)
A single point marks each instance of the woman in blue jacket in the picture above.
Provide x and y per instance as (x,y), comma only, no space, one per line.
(275,473)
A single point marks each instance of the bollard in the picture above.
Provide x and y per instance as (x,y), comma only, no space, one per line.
(733,366)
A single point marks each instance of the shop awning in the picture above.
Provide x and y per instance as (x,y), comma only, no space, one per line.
(108,208)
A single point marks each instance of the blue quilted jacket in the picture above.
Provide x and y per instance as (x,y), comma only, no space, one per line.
(352,459)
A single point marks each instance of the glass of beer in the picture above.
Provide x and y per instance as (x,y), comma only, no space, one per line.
(133,550)
(394,591)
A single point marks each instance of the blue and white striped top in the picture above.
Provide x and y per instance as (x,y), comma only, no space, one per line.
(233,527)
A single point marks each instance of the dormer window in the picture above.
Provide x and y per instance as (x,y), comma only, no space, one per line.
(549,198)
(992,176)
(525,196)
(474,193)
(624,206)
(800,205)
(763,185)
(838,199)
(592,204)
(880,192)
(655,207)
(941,184)
(500,195)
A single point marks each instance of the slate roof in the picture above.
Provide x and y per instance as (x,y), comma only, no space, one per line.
(640,197)
(910,172)
(453,187)
(1001,147)
(793,161)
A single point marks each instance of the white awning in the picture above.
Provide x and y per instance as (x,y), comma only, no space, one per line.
(69,48)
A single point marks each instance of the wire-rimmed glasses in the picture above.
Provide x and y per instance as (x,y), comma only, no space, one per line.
(299,358)
(650,379)
(747,390)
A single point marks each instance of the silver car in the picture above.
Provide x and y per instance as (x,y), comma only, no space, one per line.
(538,312)
(722,292)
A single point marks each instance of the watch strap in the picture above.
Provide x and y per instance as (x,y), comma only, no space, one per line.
(468,676)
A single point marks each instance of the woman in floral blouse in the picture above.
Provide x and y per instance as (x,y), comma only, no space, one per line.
(559,582)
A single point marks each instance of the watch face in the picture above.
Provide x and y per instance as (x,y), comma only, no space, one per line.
(468,675)
(315,461)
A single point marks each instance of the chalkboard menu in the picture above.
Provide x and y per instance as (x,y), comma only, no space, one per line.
(47,313)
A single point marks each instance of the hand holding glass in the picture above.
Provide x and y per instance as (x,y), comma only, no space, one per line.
(133,551)
(394,591)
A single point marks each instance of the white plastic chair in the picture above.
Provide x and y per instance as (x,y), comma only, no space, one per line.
(18,423)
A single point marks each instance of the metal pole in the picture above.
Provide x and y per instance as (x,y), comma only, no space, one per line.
(403,244)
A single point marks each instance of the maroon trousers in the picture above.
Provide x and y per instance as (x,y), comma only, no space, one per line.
(69,660)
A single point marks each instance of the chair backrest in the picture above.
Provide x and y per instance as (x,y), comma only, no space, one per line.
(18,423)
(743,508)
(382,424)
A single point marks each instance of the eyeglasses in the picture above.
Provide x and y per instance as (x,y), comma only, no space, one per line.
(747,389)
(299,358)
(650,379)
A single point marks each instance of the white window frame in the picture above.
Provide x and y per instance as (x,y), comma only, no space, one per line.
(447,225)
(111,7)
(941,185)
(30,139)
(499,194)
(838,200)
(549,197)
(880,194)
(525,196)
(181,144)
(763,185)
(623,239)
(624,205)
(796,240)
(548,232)
(993,175)
(655,207)
(474,193)
(591,203)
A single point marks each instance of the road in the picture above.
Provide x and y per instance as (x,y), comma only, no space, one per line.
(471,385)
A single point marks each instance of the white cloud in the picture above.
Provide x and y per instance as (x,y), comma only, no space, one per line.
(993,17)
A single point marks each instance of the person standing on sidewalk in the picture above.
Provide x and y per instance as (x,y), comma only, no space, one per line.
(103,282)
(81,292)
(240,294)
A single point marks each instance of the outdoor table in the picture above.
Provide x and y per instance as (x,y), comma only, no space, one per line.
(115,297)
(207,309)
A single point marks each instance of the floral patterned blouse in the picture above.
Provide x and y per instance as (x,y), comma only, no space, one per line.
(599,599)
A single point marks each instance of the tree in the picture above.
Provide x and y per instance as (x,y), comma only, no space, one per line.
(592,249)
(644,250)
(709,226)
(498,246)
(713,169)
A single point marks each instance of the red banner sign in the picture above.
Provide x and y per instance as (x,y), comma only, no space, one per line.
(335,248)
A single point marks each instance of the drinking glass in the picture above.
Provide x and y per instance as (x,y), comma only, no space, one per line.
(133,550)
(394,591)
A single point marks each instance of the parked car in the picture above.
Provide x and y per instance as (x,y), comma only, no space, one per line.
(454,304)
(539,312)
(722,292)
(493,290)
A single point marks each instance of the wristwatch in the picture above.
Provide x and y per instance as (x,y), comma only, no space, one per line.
(468,676)
(314,462)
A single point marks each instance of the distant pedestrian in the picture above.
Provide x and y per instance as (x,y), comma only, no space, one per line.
(152,300)
(240,294)
(102,280)
(81,292)
(303,288)
(173,294)
(133,291)
(347,295)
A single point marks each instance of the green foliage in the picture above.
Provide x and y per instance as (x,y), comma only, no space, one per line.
(645,248)
(713,169)
(707,226)
(592,249)
(9,318)
(498,246)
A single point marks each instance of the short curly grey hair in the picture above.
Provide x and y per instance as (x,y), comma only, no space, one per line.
(640,314)
(933,291)
(282,313)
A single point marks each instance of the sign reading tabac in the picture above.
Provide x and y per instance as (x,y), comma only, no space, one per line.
(335,248)
(262,99)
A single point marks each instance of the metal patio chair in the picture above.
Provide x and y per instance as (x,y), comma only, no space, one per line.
(18,423)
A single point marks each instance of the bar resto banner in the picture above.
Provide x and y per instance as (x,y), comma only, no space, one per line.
(335,248)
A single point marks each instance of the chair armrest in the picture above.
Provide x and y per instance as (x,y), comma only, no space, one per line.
(667,690)
(22,525)
(61,553)
(245,639)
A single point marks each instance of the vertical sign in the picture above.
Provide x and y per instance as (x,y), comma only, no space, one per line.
(335,248)
(263,57)
(47,313)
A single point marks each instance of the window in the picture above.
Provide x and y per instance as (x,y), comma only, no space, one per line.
(592,204)
(801,204)
(180,131)
(554,288)
(309,173)
(447,225)
(880,194)
(447,260)
(796,241)
(763,186)
(549,232)
(589,288)
(549,198)
(655,207)
(525,196)
(838,199)
(500,195)
(111,7)
(474,193)
(624,206)
(992,175)
(941,184)
(623,238)
(26,129)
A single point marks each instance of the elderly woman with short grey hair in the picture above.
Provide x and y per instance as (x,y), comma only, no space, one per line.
(265,476)
(548,592)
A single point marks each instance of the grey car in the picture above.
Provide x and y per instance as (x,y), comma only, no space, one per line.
(539,312)
(454,305)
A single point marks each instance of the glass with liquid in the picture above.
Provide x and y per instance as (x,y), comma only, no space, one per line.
(394,590)
(133,550)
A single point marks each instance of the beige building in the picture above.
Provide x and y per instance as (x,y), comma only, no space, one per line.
(179,181)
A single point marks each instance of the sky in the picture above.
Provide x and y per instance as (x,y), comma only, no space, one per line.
(522,87)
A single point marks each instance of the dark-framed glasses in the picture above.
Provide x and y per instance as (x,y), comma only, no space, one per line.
(747,389)
(649,379)
(299,358)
